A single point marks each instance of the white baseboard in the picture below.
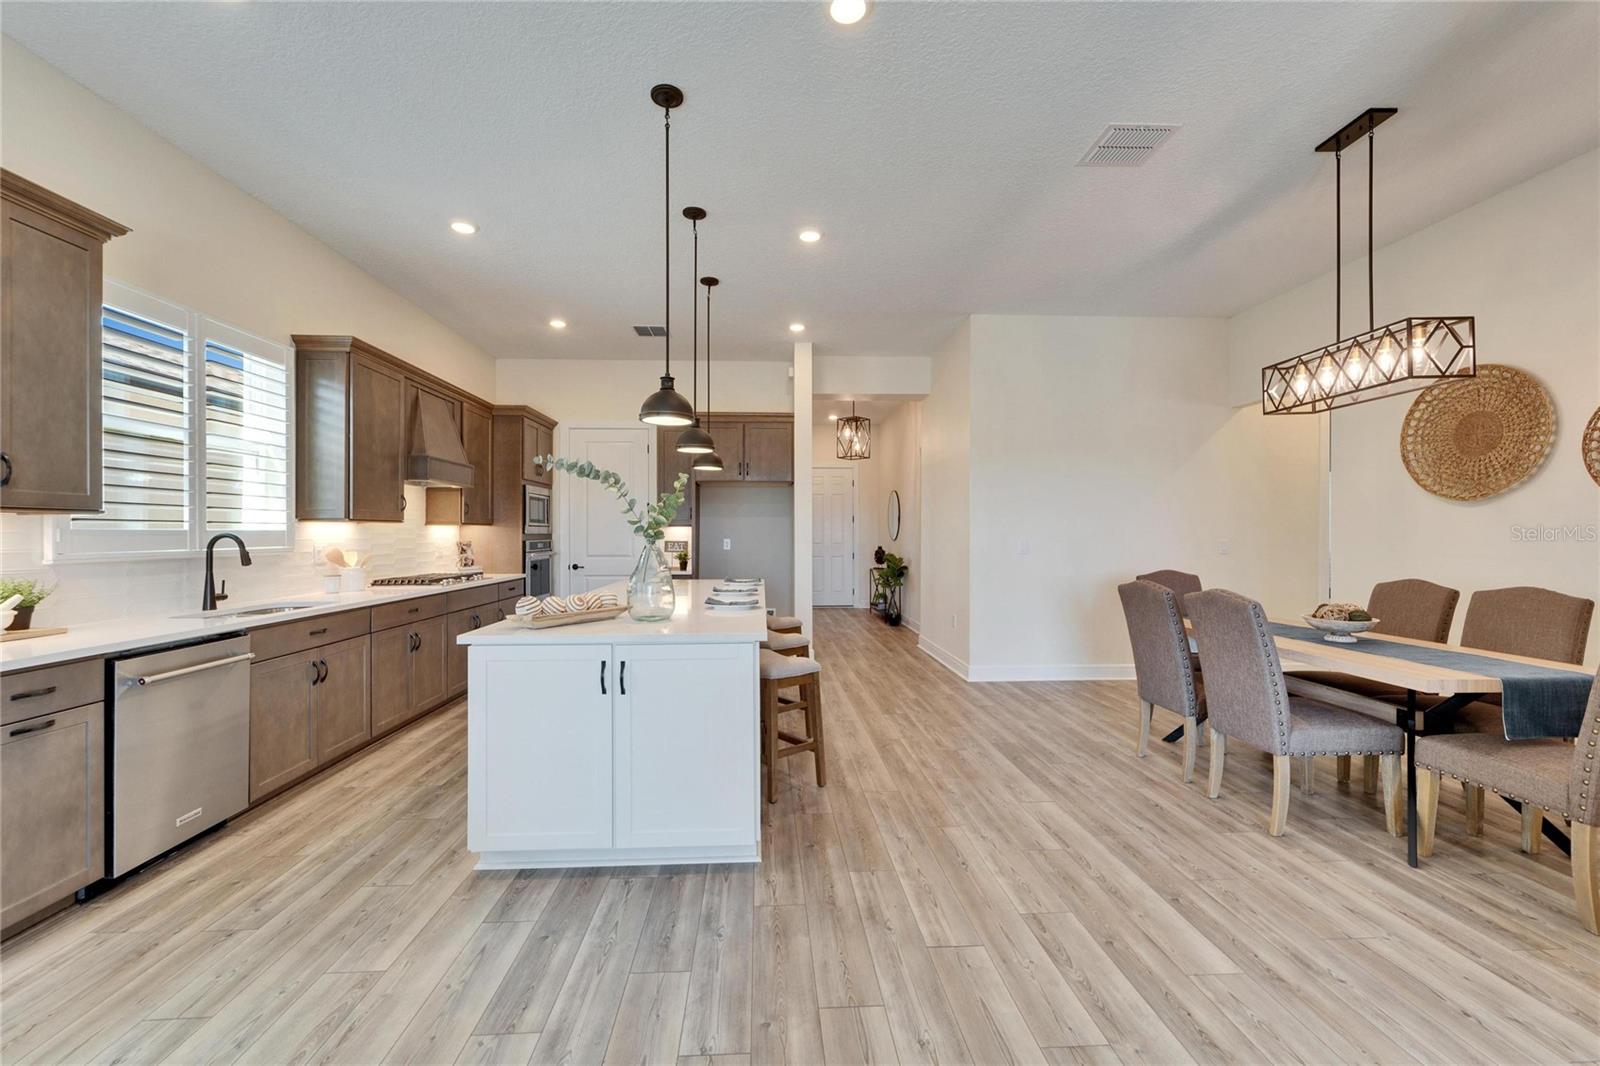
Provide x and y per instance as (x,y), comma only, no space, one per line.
(911,624)
(1052,672)
(954,664)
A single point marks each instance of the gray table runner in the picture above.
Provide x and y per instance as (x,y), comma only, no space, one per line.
(1536,701)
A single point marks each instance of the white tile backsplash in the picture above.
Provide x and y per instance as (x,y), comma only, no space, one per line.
(100,591)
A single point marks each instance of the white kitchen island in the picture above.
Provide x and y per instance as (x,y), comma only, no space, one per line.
(616,742)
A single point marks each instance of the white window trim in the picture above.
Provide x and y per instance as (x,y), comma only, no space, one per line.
(82,545)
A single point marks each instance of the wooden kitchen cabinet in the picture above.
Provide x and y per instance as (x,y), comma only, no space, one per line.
(729,439)
(408,671)
(283,731)
(756,447)
(350,433)
(50,381)
(342,713)
(455,655)
(538,441)
(52,810)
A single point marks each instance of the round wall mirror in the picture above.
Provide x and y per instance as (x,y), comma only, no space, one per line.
(894,515)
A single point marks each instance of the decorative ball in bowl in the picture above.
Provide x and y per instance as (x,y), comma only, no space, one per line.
(1340,622)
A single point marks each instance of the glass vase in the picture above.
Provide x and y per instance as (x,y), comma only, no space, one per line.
(651,597)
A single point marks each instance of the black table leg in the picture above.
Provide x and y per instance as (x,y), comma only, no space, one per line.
(1174,736)
(1410,726)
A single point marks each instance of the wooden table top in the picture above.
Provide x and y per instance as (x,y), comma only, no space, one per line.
(1402,673)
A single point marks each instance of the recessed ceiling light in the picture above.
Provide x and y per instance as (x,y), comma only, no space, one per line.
(797,327)
(558,323)
(847,12)
(810,236)
(463,227)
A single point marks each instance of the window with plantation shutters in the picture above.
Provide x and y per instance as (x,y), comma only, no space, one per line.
(195,425)
(246,435)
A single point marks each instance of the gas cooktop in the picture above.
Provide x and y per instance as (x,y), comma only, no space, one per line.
(451,577)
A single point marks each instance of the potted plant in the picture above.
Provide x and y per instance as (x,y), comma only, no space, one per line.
(683,560)
(32,594)
(892,579)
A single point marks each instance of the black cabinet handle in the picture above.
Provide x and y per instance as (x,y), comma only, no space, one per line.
(602,677)
(318,632)
(402,505)
(46,724)
(322,664)
(5,478)
(32,694)
(476,621)
(622,678)
(316,674)
(414,610)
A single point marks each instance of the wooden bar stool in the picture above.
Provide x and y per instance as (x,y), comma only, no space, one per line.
(784,623)
(779,673)
(787,643)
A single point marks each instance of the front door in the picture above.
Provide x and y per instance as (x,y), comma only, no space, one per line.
(833,519)
(600,546)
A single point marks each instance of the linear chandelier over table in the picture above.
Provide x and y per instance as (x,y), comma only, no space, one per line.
(1403,356)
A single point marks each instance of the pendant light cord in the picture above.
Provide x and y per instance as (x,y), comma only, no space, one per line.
(666,230)
(1372,252)
(1338,250)
(708,358)
(694,311)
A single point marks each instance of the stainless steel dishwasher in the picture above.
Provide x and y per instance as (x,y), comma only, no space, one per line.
(180,746)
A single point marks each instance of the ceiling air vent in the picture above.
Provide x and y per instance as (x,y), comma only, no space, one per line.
(650,331)
(1126,145)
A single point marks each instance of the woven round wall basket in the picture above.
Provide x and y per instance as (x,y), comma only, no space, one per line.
(1591,446)
(1477,437)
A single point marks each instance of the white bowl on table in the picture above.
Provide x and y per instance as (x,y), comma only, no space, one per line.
(1339,630)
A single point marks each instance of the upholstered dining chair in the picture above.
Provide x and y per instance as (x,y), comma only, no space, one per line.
(1524,620)
(1179,582)
(1247,700)
(1161,664)
(1546,776)
(1407,607)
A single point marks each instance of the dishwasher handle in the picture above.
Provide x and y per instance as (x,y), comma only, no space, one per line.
(150,679)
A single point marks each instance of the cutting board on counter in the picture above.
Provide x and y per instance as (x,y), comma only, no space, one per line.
(24,634)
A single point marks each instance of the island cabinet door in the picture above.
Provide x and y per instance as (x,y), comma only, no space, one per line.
(539,747)
(686,745)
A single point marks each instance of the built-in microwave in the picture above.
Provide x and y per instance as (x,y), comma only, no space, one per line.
(535,511)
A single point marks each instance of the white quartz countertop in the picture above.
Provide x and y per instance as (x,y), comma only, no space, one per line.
(692,622)
(90,639)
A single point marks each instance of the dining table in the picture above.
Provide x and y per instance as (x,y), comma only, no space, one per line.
(1428,693)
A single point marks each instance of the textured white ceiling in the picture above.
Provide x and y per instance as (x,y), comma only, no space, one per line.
(933,144)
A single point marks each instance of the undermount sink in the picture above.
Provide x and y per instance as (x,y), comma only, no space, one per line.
(257,611)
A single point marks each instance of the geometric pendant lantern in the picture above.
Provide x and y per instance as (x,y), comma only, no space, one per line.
(854,439)
(1403,356)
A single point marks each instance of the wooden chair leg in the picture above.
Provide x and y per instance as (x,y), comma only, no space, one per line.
(1369,774)
(1308,775)
(1427,810)
(1585,879)
(1219,748)
(1282,770)
(1474,800)
(1144,727)
(769,733)
(1532,828)
(1394,808)
(813,698)
(1341,769)
(1191,742)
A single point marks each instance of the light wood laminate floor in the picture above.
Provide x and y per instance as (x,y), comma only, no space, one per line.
(990,876)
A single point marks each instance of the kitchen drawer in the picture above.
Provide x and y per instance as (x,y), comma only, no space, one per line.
(509,606)
(407,611)
(512,588)
(29,693)
(290,637)
(461,599)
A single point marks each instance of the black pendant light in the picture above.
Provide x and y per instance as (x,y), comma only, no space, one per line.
(855,436)
(710,461)
(694,440)
(1403,356)
(666,407)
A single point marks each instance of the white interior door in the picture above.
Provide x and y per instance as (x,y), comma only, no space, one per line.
(833,537)
(601,546)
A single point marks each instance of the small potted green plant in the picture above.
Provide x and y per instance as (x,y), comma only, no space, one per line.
(32,594)
(683,560)
(892,579)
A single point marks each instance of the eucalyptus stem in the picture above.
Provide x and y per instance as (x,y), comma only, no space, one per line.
(650,522)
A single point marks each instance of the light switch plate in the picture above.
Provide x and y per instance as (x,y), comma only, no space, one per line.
(727,544)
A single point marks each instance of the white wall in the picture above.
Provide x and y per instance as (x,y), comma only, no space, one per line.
(873,375)
(946,436)
(611,390)
(893,466)
(1526,263)
(205,244)
(1104,447)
